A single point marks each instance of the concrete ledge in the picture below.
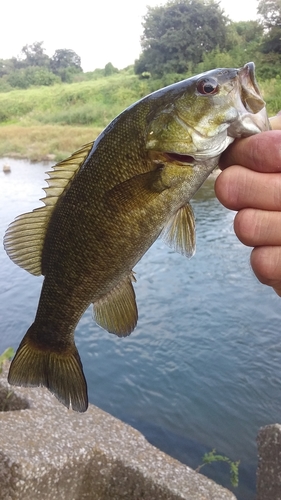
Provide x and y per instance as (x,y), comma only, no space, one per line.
(50,453)
(269,466)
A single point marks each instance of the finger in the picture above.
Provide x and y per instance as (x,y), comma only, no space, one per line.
(260,152)
(275,122)
(266,264)
(258,227)
(237,188)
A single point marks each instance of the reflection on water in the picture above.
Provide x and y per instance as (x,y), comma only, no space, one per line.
(202,369)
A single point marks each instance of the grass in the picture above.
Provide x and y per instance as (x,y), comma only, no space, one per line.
(44,142)
(271,90)
(93,102)
(42,121)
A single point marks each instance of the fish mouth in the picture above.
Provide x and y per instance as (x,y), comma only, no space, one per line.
(252,117)
(180,158)
(160,158)
(250,93)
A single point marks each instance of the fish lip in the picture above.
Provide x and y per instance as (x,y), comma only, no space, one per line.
(252,116)
(248,72)
(249,91)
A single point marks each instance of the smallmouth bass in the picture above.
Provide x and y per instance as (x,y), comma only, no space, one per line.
(108,203)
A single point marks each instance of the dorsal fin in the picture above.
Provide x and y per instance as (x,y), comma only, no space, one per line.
(117,311)
(179,232)
(24,238)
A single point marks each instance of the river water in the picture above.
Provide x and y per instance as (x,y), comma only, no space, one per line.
(202,370)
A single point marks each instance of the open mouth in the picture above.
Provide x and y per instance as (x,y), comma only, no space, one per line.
(250,94)
(186,159)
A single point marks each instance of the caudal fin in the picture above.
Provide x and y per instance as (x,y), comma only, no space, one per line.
(61,372)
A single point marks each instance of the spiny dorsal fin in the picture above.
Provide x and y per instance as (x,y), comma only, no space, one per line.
(24,238)
(117,311)
(63,173)
(179,233)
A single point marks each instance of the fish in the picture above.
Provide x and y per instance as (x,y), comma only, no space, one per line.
(107,204)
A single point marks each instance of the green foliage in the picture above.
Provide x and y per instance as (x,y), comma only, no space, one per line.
(97,101)
(109,69)
(270,13)
(90,102)
(32,75)
(34,67)
(65,63)
(191,36)
(86,114)
(211,457)
(65,58)
(176,35)
(33,55)
(271,89)
(6,356)
(248,31)
(242,45)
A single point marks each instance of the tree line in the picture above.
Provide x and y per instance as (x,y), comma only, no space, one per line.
(186,36)
(180,38)
(34,67)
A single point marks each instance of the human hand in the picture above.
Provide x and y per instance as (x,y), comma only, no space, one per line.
(252,186)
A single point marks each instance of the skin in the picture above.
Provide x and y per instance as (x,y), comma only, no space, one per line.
(250,183)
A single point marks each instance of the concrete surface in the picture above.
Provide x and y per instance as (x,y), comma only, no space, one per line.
(50,453)
(269,465)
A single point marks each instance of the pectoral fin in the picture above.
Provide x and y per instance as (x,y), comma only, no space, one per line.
(145,187)
(117,311)
(179,233)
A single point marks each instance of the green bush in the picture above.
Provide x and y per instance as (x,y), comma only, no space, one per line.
(33,75)
(6,356)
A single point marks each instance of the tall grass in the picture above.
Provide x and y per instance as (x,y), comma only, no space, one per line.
(94,102)
(44,142)
(56,120)
(271,90)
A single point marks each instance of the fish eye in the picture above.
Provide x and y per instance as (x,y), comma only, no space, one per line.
(207,86)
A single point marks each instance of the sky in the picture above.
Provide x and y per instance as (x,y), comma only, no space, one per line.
(98,31)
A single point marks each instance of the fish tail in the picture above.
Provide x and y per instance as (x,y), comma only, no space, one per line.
(60,371)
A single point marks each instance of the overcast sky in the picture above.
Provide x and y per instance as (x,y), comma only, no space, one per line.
(98,31)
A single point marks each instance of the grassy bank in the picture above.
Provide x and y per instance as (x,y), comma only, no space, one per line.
(43,142)
(93,102)
(38,122)
(42,121)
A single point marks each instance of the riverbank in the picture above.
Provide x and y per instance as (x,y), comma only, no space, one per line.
(44,142)
(50,123)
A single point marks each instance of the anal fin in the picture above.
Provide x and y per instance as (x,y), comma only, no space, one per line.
(179,232)
(117,311)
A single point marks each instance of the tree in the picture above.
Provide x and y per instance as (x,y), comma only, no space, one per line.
(32,75)
(65,58)
(249,31)
(270,13)
(34,55)
(65,63)
(177,34)
(109,69)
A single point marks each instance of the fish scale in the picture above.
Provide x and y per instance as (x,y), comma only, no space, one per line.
(108,203)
